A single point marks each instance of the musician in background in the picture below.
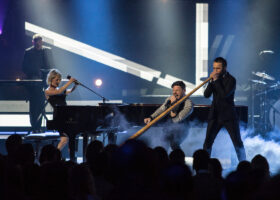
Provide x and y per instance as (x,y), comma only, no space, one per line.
(175,131)
(56,96)
(37,61)
(222,112)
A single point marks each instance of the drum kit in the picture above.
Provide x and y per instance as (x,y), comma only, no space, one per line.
(265,112)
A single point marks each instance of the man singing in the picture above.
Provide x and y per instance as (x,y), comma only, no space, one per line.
(222,111)
(175,131)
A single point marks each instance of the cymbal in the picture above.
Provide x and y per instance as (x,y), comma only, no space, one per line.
(264,75)
(275,86)
(258,81)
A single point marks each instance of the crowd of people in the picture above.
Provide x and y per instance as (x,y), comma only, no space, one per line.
(130,171)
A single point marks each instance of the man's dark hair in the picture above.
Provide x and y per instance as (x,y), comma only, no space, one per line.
(37,37)
(221,60)
(179,83)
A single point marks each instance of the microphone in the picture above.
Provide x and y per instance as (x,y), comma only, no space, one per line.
(168,103)
(76,82)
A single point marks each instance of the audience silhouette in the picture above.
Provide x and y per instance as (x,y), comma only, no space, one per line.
(130,171)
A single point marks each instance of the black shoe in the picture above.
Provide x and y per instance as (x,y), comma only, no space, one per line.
(36,131)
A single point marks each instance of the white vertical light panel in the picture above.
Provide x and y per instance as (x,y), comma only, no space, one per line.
(201,49)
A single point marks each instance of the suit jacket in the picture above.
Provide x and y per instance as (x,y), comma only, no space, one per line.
(223,90)
(34,60)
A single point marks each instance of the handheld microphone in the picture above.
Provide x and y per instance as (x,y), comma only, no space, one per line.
(76,82)
(168,103)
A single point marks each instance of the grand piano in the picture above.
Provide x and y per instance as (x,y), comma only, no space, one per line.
(74,120)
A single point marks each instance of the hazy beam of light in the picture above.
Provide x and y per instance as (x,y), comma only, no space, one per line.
(131,67)
(93,53)
(101,56)
(227,45)
(215,46)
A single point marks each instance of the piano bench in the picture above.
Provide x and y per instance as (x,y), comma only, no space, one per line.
(38,138)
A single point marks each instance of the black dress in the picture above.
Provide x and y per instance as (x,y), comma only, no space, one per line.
(58,100)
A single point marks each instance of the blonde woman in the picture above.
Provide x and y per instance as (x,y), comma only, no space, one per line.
(56,96)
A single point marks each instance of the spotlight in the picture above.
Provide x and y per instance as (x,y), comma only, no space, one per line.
(98,82)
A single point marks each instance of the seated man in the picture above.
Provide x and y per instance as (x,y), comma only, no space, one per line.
(175,130)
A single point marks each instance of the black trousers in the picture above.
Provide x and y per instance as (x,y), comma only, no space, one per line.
(175,134)
(232,126)
(36,106)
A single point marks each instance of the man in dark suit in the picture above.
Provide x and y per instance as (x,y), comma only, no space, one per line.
(222,112)
(36,63)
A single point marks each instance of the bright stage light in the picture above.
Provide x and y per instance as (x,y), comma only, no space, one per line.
(98,82)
